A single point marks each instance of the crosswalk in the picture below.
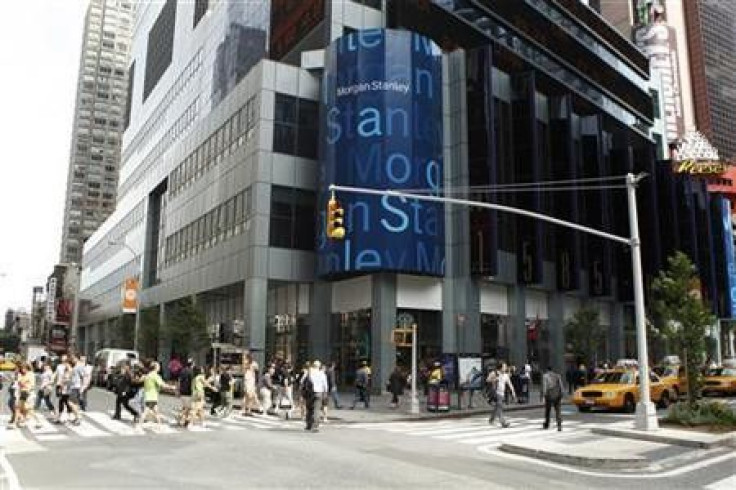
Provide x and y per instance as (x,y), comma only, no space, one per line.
(35,437)
(477,432)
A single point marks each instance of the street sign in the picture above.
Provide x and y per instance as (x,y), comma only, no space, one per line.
(402,337)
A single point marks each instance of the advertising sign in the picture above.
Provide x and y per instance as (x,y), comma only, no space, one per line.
(470,372)
(51,300)
(730,260)
(58,338)
(64,309)
(130,295)
(381,128)
(657,40)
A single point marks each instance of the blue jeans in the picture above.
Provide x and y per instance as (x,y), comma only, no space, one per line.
(335,397)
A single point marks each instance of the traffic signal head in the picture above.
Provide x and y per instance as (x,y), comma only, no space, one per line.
(335,220)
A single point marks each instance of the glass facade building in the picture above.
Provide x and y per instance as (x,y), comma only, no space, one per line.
(227,160)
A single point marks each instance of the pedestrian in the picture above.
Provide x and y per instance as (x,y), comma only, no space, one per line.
(362,385)
(174,367)
(59,381)
(25,391)
(552,388)
(266,388)
(499,381)
(250,395)
(396,383)
(199,385)
(315,391)
(78,374)
(13,397)
(152,384)
(332,384)
(124,393)
(86,384)
(581,376)
(185,393)
(301,380)
(526,381)
(226,384)
(138,376)
(45,388)
(65,387)
(515,378)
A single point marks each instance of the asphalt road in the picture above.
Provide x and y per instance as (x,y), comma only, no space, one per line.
(271,453)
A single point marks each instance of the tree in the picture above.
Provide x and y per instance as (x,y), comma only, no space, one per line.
(682,316)
(186,326)
(585,334)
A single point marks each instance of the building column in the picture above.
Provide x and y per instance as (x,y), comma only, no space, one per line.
(383,321)
(517,309)
(556,326)
(320,321)
(616,333)
(255,313)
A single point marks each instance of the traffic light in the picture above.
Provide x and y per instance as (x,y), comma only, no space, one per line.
(335,215)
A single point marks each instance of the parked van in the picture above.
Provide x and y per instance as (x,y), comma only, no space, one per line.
(105,362)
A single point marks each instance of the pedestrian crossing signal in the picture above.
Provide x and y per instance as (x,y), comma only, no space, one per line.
(335,220)
(402,337)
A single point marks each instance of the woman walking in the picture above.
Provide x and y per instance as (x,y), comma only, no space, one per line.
(64,384)
(199,385)
(45,387)
(152,385)
(250,396)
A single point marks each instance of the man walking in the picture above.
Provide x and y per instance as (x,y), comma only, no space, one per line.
(552,389)
(362,385)
(499,381)
(315,391)
(124,391)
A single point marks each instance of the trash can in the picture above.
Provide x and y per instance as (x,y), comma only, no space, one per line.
(438,398)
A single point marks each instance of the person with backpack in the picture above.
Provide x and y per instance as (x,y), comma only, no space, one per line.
(552,389)
(362,385)
(498,381)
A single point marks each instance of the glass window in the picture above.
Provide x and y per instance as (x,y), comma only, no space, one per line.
(284,138)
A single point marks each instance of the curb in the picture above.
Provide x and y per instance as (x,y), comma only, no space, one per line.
(726,440)
(585,461)
(437,415)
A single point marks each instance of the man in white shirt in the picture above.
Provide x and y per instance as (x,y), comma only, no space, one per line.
(499,380)
(317,387)
(86,383)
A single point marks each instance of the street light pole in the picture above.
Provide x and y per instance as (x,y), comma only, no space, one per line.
(137,324)
(414,399)
(646,414)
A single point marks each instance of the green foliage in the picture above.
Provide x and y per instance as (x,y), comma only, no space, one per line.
(186,326)
(710,413)
(9,342)
(681,315)
(584,333)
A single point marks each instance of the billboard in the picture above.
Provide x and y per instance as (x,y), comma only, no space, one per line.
(130,295)
(730,260)
(381,128)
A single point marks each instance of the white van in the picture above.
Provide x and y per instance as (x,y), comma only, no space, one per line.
(105,362)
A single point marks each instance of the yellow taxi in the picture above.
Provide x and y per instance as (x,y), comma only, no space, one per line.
(720,380)
(7,364)
(674,377)
(619,389)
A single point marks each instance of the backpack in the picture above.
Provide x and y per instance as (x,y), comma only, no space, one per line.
(553,392)
(307,387)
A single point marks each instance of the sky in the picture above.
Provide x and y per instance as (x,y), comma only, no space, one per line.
(40,44)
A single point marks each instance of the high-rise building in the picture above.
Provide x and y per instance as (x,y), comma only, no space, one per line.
(711,34)
(98,123)
(240,121)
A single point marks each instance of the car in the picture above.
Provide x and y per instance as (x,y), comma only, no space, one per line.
(105,362)
(674,377)
(619,389)
(720,380)
(7,364)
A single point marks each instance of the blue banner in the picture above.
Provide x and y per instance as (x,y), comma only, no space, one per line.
(730,260)
(381,128)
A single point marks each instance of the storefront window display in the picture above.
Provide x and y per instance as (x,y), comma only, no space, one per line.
(287,337)
(350,337)
(494,336)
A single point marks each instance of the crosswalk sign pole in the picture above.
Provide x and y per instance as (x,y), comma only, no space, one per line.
(414,399)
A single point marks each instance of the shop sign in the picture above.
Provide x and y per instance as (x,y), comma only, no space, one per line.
(707,167)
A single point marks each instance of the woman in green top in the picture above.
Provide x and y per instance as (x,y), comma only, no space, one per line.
(198,386)
(152,384)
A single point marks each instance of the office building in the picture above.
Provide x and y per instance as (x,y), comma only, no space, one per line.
(98,123)
(228,157)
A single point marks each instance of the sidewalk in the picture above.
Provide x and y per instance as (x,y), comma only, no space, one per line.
(611,446)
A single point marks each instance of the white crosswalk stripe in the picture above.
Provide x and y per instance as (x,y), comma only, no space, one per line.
(477,431)
(100,424)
